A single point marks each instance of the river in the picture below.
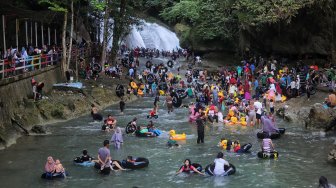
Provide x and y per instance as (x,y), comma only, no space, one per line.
(302,156)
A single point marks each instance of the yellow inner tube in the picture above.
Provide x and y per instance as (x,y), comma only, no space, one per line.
(134,85)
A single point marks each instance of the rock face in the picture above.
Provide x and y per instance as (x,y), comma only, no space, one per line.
(320,117)
(332,153)
(39,129)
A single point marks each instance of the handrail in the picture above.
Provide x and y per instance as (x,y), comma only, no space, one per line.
(15,67)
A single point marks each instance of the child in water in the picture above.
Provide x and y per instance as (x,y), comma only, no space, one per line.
(172,143)
(236,146)
(59,167)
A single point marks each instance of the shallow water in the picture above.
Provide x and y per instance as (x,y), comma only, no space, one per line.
(302,156)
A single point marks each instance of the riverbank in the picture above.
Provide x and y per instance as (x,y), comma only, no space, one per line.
(62,105)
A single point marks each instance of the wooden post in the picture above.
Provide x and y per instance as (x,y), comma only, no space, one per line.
(35,33)
(31,33)
(48,35)
(26,25)
(4,32)
(55,38)
(42,34)
(17,33)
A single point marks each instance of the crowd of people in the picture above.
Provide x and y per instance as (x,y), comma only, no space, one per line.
(244,95)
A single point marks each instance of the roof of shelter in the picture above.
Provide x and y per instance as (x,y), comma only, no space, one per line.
(45,16)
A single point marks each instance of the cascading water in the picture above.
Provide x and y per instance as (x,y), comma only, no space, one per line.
(152,35)
(147,35)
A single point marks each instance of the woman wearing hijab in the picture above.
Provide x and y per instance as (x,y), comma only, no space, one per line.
(49,167)
(117,138)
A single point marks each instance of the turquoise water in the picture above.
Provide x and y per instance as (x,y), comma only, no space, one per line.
(302,160)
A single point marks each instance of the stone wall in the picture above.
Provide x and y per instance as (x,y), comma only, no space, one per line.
(16,105)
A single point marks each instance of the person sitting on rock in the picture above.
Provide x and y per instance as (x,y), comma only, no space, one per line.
(331,100)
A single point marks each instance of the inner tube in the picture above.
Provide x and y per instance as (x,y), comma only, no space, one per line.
(106,170)
(189,79)
(275,135)
(130,128)
(138,134)
(245,148)
(230,170)
(264,155)
(163,86)
(78,161)
(181,93)
(165,69)
(51,176)
(120,90)
(149,64)
(97,67)
(177,101)
(150,117)
(140,162)
(170,63)
(150,78)
(196,165)
(97,117)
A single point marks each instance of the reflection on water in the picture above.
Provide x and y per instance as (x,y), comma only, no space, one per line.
(301,162)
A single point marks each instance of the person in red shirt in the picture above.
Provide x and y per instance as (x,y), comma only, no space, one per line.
(187,167)
(236,146)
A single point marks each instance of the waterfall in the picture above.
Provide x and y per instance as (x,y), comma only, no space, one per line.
(147,35)
(152,35)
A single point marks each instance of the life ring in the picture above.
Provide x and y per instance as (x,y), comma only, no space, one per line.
(181,93)
(133,85)
(265,155)
(106,170)
(275,135)
(51,176)
(97,117)
(138,134)
(139,162)
(130,128)
(163,86)
(97,67)
(120,90)
(230,170)
(165,69)
(177,101)
(189,79)
(196,165)
(245,148)
(150,117)
(78,161)
(149,64)
(170,63)
(161,92)
(150,78)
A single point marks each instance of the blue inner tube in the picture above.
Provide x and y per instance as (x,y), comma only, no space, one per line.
(245,148)
(138,134)
(265,155)
(230,170)
(120,90)
(275,135)
(196,165)
(78,161)
(51,176)
(170,63)
(140,162)
(150,78)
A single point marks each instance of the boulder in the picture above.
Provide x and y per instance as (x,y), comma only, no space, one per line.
(320,117)
(332,153)
(39,129)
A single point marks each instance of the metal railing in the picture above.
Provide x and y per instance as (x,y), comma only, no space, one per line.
(15,67)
